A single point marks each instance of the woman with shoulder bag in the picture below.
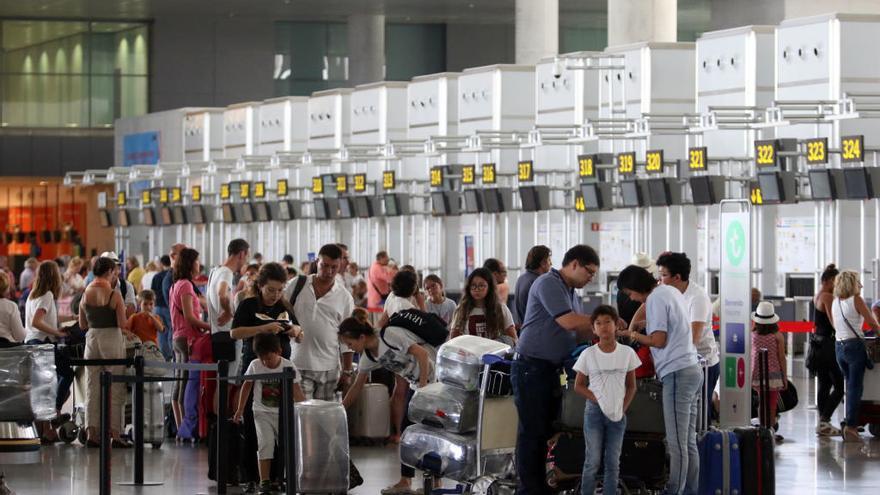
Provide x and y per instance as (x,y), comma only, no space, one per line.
(821,357)
(850,313)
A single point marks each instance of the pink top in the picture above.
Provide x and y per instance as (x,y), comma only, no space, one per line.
(770,343)
(378,280)
(183,328)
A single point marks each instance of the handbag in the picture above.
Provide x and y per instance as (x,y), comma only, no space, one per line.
(869,361)
(820,352)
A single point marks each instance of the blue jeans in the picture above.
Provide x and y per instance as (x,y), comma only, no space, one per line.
(714,374)
(166,337)
(537,394)
(681,405)
(601,435)
(851,358)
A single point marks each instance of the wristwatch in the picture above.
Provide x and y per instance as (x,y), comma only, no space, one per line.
(348,372)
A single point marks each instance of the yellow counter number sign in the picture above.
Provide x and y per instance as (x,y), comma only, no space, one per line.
(757,197)
(852,149)
(317,185)
(196,194)
(245,191)
(121,200)
(436,176)
(224,191)
(281,186)
(579,204)
(586,166)
(697,158)
(817,151)
(342,183)
(388,180)
(259,190)
(163,195)
(525,171)
(360,182)
(654,161)
(765,153)
(468,174)
(626,163)
(488,173)
(176,195)
(146,197)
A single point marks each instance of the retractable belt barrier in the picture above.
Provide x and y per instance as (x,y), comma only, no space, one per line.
(222,368)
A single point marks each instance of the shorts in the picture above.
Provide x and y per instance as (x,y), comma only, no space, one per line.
(266,424)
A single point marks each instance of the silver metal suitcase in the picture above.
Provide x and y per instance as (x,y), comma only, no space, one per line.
(460,361)
(322,455)
(444,406)
(448,455)
(28,383)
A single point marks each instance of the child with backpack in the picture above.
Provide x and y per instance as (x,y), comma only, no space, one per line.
(766,335)
(395,349)
(606,378)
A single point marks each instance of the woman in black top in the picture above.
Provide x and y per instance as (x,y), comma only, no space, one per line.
(264,311)
(824,363)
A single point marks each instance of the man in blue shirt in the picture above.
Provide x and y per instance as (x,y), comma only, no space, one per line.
(553,317)
(537,264)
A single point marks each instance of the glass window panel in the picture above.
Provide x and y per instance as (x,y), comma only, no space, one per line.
(414,50)
(134,95)
(44,101)
(102,101)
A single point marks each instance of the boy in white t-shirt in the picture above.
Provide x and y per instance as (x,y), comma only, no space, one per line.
(267,400)
(609,369)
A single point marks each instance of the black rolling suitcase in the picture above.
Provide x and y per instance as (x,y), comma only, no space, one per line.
(233,447)
(756,444)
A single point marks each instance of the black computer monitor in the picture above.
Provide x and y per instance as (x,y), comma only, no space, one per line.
(261,211)
(632,194)
(858,184)
(658,192)
(167,216)
(285,212)
(320,206)
(492,200)
(593,199)
(228,213)
(178,214)
(772,190)
(149,217)
(247,213)
(439,203)
(392,205)
(346,208)
(473,201)
(821,185)
(363,207)
(105,217)
(702,191)
(198,214)
(123,219)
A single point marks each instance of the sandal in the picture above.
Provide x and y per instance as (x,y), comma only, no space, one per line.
(851,435)
(826,429)
(397,490)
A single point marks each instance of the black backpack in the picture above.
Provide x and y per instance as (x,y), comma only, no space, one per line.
(427,326)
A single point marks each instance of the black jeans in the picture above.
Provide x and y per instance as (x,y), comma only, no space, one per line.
(537,393)
(830,390)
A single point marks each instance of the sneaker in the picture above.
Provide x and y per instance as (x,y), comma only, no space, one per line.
(266,487)
(397,490)
(778,438)
(251,487)
(826,429)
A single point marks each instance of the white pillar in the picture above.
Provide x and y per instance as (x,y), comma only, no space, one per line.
(366,48)
(632,21)
(806,8)
(537,30)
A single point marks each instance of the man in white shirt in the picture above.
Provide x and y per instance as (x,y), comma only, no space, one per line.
(675,270)
(220,303)
(319,308)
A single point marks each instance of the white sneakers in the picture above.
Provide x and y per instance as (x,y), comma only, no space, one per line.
(826,429)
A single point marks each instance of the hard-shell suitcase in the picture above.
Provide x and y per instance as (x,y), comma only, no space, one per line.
(322,455)
(460,361)
(446,407)
(154,414)
(645,413)
(233,449)
(447,455)
(756,444)
(720,467)
(370,417)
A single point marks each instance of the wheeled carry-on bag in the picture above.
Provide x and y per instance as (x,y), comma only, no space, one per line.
(460,361)
(445,454)
(322,455)
(756,444)
(446,407)
(154,414)
(720,454)
(644,461)
(370,418)
(645,413)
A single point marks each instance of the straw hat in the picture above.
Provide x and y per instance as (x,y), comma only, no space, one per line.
(765,313)
(644,261)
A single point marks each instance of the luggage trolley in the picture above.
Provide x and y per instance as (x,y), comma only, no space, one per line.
(493,469)
(869,410)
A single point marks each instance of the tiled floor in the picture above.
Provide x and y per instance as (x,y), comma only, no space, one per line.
(805,465)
